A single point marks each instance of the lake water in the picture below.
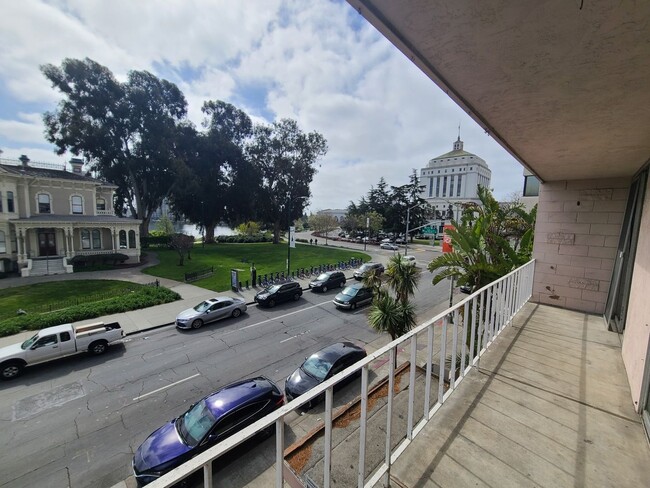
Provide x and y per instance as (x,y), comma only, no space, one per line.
(219,230)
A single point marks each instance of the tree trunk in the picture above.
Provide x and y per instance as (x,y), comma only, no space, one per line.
(144,226)
(209,233)
(181,255)
(276,233)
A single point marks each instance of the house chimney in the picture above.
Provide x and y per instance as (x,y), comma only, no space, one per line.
(25,160)
(76,164)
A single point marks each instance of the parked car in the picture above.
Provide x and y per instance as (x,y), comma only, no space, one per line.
(387,239)
(400,240)
(365,268)
(409,259)
(210,310)
(279,293)
(466,289)
(57,342)
(353,296)
(207,422)
(321,366)
(328,280)
(389,246)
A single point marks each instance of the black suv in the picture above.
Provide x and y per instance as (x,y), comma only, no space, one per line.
(361,273)
(279,293)
(328,280)
(353,296)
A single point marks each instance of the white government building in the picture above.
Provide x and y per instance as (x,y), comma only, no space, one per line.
(452,178)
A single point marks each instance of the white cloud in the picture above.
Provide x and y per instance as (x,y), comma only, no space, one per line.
(380,114)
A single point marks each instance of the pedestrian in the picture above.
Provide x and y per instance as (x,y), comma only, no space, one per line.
(311,241)
(316,242)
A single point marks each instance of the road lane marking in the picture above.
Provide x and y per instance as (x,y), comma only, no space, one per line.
(288,339)
(277,318)
(165,387)
(293,337)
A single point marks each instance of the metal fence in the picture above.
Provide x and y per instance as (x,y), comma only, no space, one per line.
(479,319)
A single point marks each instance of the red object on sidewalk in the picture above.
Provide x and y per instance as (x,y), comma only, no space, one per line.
(446,239)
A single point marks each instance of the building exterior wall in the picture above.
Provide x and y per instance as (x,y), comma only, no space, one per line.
(576,237)
(637,323)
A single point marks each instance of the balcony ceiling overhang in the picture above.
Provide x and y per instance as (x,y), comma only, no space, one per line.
(565,89)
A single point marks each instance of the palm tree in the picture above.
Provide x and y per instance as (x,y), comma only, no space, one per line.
(393,314)
(490,241)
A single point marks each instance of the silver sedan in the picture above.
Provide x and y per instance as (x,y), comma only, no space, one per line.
(209,311)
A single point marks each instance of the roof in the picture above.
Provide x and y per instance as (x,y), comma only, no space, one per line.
(235,394)
(455,154)
(563,86)
(90,219)
(50,174)
(336,350)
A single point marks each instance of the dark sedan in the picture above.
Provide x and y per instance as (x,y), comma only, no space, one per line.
(353,296)
(207,422)
(279,293)
(321,366)
(328,280)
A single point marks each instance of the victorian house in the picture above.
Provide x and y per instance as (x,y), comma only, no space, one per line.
(49,215)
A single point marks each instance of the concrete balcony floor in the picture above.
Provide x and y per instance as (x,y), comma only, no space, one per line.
(549,406)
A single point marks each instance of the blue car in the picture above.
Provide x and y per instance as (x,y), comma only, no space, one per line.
(207,422)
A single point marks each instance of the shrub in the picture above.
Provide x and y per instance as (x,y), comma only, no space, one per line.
(144,297)
(154,241)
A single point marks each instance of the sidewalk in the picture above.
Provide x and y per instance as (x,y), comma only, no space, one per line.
(147,318)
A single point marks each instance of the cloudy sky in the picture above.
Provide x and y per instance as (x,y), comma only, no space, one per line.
(319,62)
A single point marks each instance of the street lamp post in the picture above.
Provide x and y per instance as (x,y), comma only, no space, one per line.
(290,234)
(406,236)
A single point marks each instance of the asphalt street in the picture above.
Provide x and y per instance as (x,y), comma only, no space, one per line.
(77,421)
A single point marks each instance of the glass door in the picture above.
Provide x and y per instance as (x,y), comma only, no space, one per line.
(619,291)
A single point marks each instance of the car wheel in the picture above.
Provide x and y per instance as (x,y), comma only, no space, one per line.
(324,289)
(271,303)
(197,324)
(342,284)
(236,313)
(296,297)
(354,306)
(97,348)
(12,370)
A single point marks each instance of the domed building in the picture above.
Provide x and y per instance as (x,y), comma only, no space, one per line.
(453,178)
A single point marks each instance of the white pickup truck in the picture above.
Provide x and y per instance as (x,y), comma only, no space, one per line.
(57,342)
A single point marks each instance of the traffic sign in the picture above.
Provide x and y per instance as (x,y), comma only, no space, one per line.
(429,230)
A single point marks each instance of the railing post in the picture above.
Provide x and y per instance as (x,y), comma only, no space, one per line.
(452,371)
(463,354)
(472,339)
(207,474)
(327,465)
(389,413)
(427,388)
(279,452)
(443,352)
(362,427)
(409,423)
(489,296)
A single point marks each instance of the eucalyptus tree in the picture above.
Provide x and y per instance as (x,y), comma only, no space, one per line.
(126,130)
(218,183)
(284,158)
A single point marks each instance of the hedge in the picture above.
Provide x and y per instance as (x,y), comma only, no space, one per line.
(143,298)
(244,239)
(95,259)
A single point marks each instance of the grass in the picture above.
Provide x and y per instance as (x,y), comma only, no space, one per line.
(267,257)
(56,295)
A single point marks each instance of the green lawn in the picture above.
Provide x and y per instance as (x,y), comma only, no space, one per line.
(42,297)
(267,257)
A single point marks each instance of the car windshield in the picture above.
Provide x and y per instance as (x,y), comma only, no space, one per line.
(272,289)
(202,307)
(322,277)
(316,367)
(195,424)
(350,291)
(364,268)
(28,343)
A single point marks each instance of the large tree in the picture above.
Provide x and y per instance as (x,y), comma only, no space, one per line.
(285,159)
(220,183)
(126,130)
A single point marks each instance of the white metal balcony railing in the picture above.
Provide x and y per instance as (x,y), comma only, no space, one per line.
(501,300)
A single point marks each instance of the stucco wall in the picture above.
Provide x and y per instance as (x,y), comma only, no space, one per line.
(637,323)
(576,236)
